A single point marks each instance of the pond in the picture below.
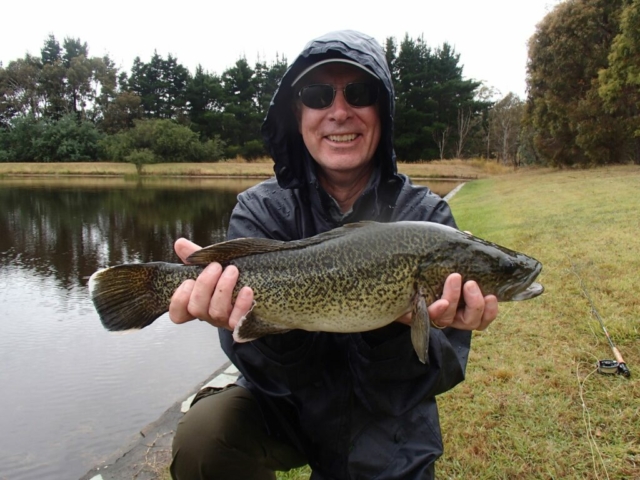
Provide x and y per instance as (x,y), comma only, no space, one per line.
(73,393)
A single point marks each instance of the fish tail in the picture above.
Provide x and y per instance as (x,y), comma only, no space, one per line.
(132,296)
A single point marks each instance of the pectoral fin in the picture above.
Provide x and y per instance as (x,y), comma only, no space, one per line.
(420,326)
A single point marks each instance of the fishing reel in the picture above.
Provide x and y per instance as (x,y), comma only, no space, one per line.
(613,367)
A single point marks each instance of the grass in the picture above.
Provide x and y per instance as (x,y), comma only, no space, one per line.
(262,168)
(532,406)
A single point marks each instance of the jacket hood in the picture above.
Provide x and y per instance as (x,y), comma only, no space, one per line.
(280,129)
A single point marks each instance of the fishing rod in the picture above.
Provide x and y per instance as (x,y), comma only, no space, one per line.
(604,366)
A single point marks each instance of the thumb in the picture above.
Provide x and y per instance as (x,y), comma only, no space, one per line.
(184,248)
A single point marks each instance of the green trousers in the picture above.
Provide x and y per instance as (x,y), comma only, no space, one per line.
(223,436)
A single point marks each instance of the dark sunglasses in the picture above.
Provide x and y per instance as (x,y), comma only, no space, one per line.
(322,95)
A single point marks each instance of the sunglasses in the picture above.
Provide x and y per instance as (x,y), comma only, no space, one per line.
(321,95)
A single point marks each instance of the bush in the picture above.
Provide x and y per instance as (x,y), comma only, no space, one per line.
(253,149)
(164,139)
(29,139)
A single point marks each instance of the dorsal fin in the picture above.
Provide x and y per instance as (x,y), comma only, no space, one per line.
(224,252)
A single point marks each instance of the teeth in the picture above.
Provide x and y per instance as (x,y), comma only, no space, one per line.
(342,138)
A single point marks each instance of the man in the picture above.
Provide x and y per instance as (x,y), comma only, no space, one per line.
(357,405)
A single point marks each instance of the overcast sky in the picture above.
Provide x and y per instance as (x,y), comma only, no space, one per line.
(490,35)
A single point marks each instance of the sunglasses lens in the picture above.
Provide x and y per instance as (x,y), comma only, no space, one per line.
(361,94)
(317,96)
(321,96)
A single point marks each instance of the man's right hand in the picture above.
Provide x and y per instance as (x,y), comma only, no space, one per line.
(209,297)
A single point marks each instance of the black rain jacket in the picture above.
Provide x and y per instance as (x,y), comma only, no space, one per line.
(360,406)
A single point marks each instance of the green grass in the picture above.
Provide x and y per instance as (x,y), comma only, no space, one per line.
(532,405)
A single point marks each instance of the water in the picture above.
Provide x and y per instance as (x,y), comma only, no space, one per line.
(73,393)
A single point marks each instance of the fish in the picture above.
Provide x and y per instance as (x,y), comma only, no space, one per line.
(355,278)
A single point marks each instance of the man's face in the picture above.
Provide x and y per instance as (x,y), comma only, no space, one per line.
(341,138)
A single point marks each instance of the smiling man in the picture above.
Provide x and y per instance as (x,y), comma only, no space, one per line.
(352,406)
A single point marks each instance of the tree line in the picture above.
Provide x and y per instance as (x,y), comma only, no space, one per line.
(66,105)
(583,94)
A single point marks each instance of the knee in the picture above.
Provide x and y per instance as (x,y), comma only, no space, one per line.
(218,434)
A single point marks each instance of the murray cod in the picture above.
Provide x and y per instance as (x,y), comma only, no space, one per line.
(354,278)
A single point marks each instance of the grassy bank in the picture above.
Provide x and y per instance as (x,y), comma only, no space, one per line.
(532,405)
(469,169)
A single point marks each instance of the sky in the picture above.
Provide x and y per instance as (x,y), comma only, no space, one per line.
(490,35)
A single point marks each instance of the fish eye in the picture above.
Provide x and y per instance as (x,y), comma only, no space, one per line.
(507,266)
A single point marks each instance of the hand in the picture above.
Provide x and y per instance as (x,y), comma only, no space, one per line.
(477,313)
(209,297)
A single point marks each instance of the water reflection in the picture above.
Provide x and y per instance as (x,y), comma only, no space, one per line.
(69,229)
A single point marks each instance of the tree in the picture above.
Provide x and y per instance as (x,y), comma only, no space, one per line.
(430,92)
(161,85)
(19,84)
(464,124)
(570,46)
(241,119)
(620,81)
(205,104)
(505,120)
(266,80)
(121,113)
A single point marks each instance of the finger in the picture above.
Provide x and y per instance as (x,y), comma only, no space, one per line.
(178,311)
(184,248)
(451,294)
(221,306)
(243,305)
(205,284)
(437,309)
(490,311)
(470,317)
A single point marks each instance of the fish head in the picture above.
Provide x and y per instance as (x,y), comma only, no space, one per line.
(499,271)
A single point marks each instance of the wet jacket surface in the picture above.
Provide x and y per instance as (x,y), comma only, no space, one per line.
(361,405)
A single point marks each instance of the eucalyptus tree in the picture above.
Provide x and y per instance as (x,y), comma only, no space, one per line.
(567,51)
(620,81)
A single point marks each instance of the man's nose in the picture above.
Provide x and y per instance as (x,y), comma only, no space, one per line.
(340,110)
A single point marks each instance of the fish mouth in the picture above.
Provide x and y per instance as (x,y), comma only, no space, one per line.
(524,288)
(531,291)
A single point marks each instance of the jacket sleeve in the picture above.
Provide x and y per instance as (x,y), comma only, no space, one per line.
(388,375)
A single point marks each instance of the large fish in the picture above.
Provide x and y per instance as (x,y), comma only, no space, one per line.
(355,278)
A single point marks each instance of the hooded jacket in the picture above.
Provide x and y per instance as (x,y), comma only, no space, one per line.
(361,405)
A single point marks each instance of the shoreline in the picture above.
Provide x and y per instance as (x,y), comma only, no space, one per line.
(146,455)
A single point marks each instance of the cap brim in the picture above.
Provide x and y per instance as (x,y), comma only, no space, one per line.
(332,60)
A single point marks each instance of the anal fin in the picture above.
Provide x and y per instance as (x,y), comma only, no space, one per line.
(251,327)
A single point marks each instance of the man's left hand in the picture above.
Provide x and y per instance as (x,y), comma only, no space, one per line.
(477,314)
